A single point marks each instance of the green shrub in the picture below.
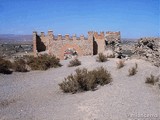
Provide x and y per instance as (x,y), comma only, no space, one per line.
(5,66)
(74,62)
(85,80)
(132,71)
(102,58)
(152,79)
(120,64)
(43,62)
(19,65)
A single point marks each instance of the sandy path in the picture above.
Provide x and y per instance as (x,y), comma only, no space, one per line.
(36,95)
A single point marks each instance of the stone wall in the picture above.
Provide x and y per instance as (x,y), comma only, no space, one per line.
(100,40)
(57,45)
(113,36)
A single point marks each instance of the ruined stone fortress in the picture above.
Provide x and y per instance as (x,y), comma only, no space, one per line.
(58,45)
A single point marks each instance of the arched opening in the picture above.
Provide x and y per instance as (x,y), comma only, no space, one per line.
(69,51)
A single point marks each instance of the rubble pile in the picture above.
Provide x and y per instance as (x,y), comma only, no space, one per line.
(149,49)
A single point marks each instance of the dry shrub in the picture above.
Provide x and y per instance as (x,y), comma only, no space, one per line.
(102,58)
(85,80)
(74,62)
(120,64)
(152,79)
(43,62)
(132,71)
(5,66)
(19,65)
(102,76)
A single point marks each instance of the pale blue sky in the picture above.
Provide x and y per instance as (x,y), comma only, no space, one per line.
(134,18)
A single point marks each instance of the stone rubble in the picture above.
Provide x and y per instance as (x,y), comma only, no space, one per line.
(148,49)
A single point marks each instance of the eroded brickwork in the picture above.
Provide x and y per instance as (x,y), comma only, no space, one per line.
(57,45)
(113,36)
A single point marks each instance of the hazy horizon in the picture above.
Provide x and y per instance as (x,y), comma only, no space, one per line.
(133,18)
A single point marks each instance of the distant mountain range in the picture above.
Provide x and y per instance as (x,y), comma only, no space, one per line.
(13,39)
(129,39)
(27,39)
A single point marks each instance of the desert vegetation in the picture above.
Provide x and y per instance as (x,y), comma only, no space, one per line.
(151,79)
(5,66)
(19,65)
(74,62)
(43,62)
(84,80)
(92,87)
(120,64)
(101,58)
(132,71)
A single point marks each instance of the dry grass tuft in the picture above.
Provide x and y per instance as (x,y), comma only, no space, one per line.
(102,58)
(5,66)
(74,63)
(120,64)
(151,80)
(19,65)
(132,71)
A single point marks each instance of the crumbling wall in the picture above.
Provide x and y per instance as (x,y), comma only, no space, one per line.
(104,41)
(113,36)
(57,45)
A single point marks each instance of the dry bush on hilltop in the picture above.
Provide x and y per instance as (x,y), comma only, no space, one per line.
(74,62)
(43,62)
(120,64)
(152,79)
(102,58)
(132,71)
(5,66)
(19,65)
(85,80)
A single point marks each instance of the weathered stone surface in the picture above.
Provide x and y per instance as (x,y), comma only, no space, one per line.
(92,45)
(149,49)
(109,53)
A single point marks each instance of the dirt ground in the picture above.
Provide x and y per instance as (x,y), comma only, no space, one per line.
(36,95)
